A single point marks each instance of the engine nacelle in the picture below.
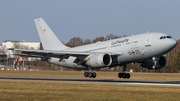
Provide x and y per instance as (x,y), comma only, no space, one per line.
(100,60)
(155,64)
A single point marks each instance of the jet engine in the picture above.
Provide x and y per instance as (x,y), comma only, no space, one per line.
(155,63)
(100,60)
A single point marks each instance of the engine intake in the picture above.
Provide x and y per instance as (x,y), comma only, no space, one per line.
(155,64)
(100,60)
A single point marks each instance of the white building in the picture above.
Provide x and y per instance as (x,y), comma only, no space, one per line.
(20,44)
(10,44)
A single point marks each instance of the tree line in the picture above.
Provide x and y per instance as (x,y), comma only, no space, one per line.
(77,41)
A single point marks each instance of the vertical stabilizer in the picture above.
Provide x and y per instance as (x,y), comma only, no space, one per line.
(48,38)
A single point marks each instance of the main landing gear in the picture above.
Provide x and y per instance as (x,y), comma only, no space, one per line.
(124,74)
(90,74)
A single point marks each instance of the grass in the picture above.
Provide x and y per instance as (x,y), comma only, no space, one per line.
(28,91)
(38,91)
(100,75)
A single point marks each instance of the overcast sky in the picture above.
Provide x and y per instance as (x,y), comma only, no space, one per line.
(88,18)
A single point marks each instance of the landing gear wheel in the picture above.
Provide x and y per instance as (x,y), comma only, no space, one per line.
(86,74)
(120,75)
(90,75)
(93,74)
(124,75)
(127,75)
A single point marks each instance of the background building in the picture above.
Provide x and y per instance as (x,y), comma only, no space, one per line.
(20,44)
(7,59)
(3,59)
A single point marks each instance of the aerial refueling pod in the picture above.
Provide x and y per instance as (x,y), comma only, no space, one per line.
(155,64)
(100,60)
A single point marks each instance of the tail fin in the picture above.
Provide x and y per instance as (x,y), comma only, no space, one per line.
(48,38)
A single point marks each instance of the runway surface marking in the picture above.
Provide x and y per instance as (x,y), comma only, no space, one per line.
(92,81)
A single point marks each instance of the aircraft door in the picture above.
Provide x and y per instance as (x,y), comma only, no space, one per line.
(148,40)
(147,49)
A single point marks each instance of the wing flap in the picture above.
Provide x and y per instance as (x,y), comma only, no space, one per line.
(49,53)
(46,54)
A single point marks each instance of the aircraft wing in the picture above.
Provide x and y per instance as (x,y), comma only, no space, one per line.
(46,54)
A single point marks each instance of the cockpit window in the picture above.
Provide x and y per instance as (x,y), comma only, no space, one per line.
(168,37)
(164,37)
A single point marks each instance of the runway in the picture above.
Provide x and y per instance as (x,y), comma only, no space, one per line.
(92,81)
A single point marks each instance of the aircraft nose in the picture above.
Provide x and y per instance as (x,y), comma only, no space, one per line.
(173,43)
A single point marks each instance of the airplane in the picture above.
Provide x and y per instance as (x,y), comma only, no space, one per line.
(146,48)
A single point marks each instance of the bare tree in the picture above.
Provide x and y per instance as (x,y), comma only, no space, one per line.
(74,42)
(170,59)
(176,62)
(98,39)
(111,36)
(86,41)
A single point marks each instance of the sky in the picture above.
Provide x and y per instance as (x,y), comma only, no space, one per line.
(88,19)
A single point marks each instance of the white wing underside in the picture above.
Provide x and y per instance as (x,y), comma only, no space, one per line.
(46,54)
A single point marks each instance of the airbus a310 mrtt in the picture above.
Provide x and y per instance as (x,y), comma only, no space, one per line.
(147,49)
